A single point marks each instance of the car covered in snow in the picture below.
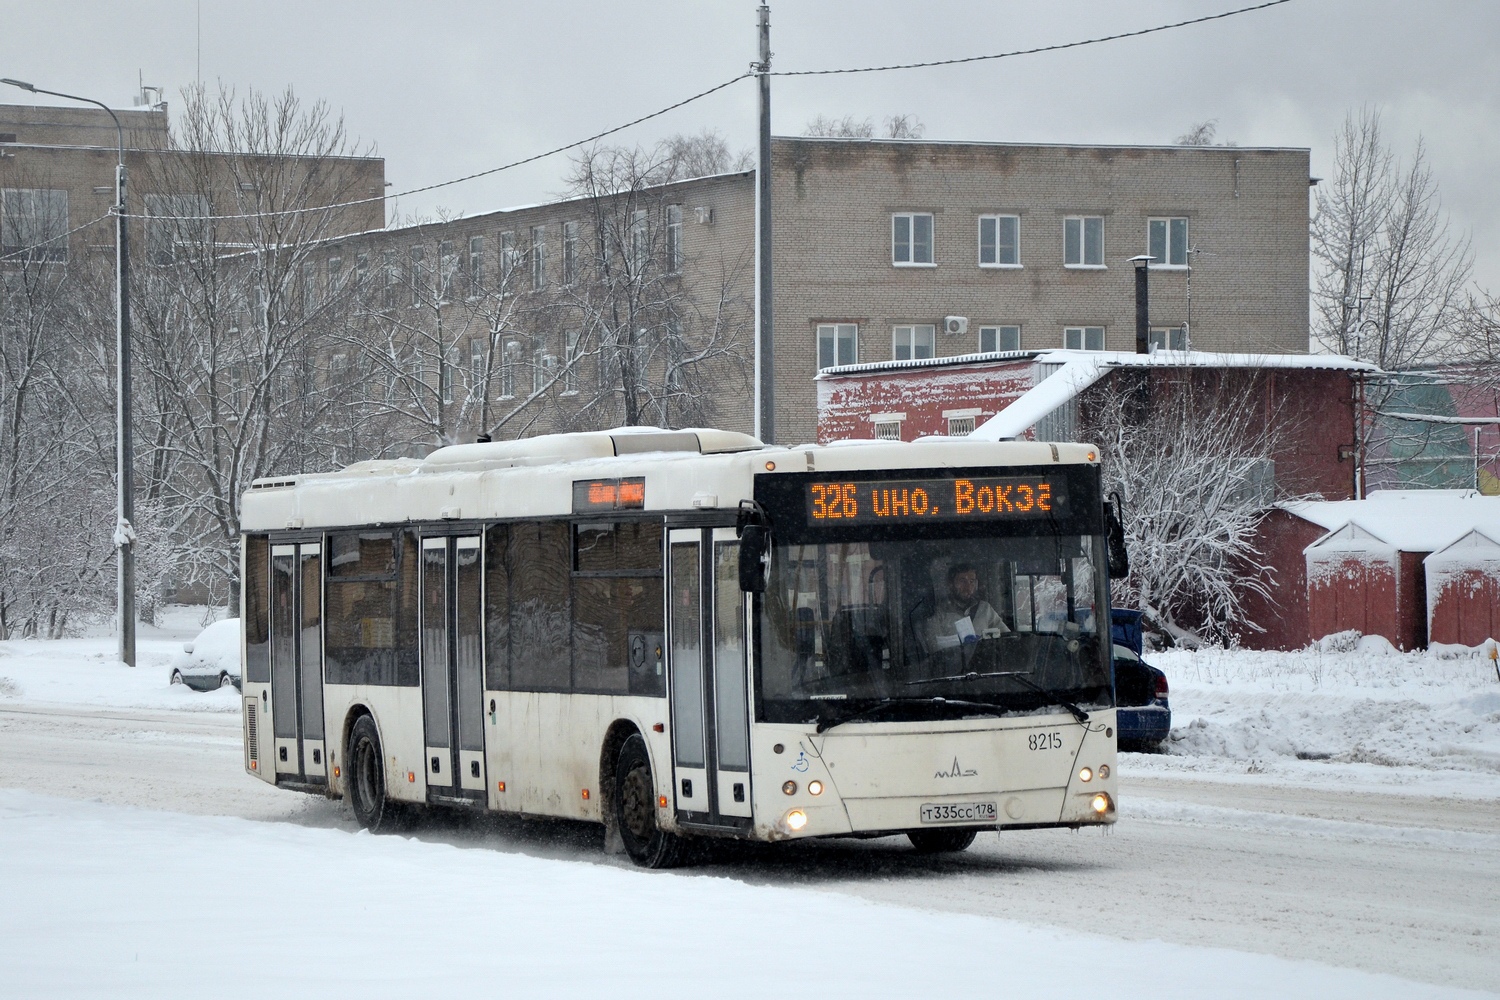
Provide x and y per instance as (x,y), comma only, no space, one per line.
(1142,714)
(211,660)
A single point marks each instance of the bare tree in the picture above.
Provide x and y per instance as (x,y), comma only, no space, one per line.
(660,347)
(704,155)
(232,312)
(1191,456)
(1391,275)
(850,127)
(56,509)
(1201,134)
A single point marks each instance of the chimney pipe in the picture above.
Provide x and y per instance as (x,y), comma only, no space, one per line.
(1142,304)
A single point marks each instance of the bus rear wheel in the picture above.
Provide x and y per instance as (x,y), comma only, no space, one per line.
(366,778)
(941,841)
(648,845)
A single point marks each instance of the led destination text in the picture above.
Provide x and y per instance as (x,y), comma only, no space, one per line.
(933,499)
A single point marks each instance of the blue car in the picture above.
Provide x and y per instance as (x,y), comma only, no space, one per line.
(1143,714)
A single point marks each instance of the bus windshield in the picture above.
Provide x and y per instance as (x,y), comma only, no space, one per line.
(999,624)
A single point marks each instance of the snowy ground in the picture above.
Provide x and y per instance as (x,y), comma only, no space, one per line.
(1379,856)
(1352,719)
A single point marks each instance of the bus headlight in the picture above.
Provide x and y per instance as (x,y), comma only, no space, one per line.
(1101,803)
(1085,775)
(796,820)
(815,787)
(1103,770)
(789,787)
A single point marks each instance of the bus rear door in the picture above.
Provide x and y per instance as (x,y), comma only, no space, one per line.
(297,662)
(707,673)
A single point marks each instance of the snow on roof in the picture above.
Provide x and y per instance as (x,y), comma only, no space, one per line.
(1472,548)
(1076,375)
(1411,520)
(1081,369)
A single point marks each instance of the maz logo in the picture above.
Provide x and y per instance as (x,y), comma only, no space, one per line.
(956,771)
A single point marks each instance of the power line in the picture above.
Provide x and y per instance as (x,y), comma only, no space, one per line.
(1031,52)
(689,100)
(24,251)
(467,177)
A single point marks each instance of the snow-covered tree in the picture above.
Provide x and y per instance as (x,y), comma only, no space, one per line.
(1190,455)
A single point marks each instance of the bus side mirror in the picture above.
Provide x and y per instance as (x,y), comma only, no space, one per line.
(752,559)
(1119,559)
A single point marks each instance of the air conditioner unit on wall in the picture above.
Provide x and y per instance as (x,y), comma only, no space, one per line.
(956,326)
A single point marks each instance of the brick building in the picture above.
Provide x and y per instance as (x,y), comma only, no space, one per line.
(57,172)
(891,249)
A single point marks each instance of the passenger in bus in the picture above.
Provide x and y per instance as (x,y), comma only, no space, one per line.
(963,602)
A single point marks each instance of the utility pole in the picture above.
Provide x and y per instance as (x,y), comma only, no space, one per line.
(124,537)
(765,363)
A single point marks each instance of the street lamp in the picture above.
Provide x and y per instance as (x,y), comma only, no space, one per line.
(124,536)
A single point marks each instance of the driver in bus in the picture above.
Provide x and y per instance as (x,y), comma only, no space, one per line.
(963,602)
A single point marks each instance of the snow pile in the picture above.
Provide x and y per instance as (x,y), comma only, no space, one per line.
(86,672)
(1351,702)
(105,900)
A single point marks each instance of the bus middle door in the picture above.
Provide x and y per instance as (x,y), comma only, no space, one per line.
(708,676)
(452,668)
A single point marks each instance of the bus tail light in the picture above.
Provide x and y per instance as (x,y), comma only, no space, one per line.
(661,801)
(411,777)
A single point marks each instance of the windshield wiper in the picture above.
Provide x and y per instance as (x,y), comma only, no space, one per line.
(826,724)
(1057,699)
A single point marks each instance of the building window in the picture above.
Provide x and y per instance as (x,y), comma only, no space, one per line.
(1083,338)
(574,351)
(510,259)
(538,257)
(674,239)
(335,275)
(445,380)
(838,344)
(960,426)
(887,428)
(390,275)
(416,274)
(1083,241)
(640,242)
(476,266)
(570,253)
(1167,241)
(33,221)
(911,239)
(911,342)
(999,338)
(173,222)
(447,269)
(476,369)
(999,241)
(510,360)
(361,273)
(309,287)
(541,364)
(1168,338)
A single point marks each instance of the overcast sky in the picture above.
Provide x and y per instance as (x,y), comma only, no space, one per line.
(442,88)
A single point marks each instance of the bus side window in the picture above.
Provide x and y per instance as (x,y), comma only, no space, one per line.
(497,568)
(257,610)
(539,607)
(617,593)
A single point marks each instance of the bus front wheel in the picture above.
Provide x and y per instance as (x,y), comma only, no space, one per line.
(648,845)
(941,841)
(366,777)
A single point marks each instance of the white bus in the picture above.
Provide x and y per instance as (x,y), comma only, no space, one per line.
(685,634)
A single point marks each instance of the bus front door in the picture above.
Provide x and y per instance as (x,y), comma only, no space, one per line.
(452,668)
(297,662)
(707,673)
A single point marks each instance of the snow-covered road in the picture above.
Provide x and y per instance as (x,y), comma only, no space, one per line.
(1386,883)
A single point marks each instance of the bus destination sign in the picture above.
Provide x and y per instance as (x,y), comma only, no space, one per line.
(963,499)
